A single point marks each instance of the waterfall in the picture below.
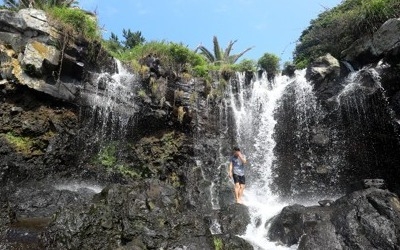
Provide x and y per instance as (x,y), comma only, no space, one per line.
(253,107)
(112,104)
(298,152)
(108,109)
(364,109)
(256,107)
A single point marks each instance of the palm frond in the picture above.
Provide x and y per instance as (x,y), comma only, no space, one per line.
(234,58)
(210,57)
(220,56)
(229,49)
(16,4)
(217,50)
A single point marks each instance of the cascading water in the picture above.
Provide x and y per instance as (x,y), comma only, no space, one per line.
(113,102)
(254,107)
(299,152)
(363,110)
(109,108)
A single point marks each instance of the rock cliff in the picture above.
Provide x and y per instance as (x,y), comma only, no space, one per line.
(75,122)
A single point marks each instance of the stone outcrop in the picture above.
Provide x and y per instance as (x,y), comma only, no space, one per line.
(325,74)
(364,219)
(384,43)
(38,54)
(144,215)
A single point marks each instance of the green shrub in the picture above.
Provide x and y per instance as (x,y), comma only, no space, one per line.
(270,63)
(246,65)
(173,56)
(77,20)
(336,29)
(201,70)
(226,71)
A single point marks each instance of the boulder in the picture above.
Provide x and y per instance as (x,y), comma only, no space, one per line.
(234,219)
(325,73)
(370,48)
(287,227)
(365,219)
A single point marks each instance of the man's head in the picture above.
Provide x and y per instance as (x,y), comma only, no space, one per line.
(236,150)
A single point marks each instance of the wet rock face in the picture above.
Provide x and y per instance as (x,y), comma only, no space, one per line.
(35,132)
(144,215)
(364,219)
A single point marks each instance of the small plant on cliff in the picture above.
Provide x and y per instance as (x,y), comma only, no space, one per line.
(218,244)
(20,143)
(106,156)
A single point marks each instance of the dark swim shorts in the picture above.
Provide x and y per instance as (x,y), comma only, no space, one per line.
(240,179)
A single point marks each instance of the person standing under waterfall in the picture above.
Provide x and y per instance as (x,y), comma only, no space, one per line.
(236,171)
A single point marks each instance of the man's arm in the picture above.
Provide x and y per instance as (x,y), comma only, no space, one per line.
(242,158)
(230,170)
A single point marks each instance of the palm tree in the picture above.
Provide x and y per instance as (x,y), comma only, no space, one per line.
(219,55)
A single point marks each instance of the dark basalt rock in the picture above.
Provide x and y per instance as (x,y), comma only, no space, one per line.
(146,214)
(364,219)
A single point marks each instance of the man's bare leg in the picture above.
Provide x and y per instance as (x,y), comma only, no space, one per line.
(241,189)
(237,191)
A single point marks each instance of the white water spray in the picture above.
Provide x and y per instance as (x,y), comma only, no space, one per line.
(115,92)
(78,187)
(110,104)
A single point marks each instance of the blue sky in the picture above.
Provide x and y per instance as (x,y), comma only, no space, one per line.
(271,26)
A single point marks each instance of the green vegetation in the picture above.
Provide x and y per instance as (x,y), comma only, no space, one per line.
(270,63)
(174,56)
(77,21)
(246,65)
(218,244)
(132,39)
(20,143)
(107,157)
(38,4)
(221,56)
(336,29)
